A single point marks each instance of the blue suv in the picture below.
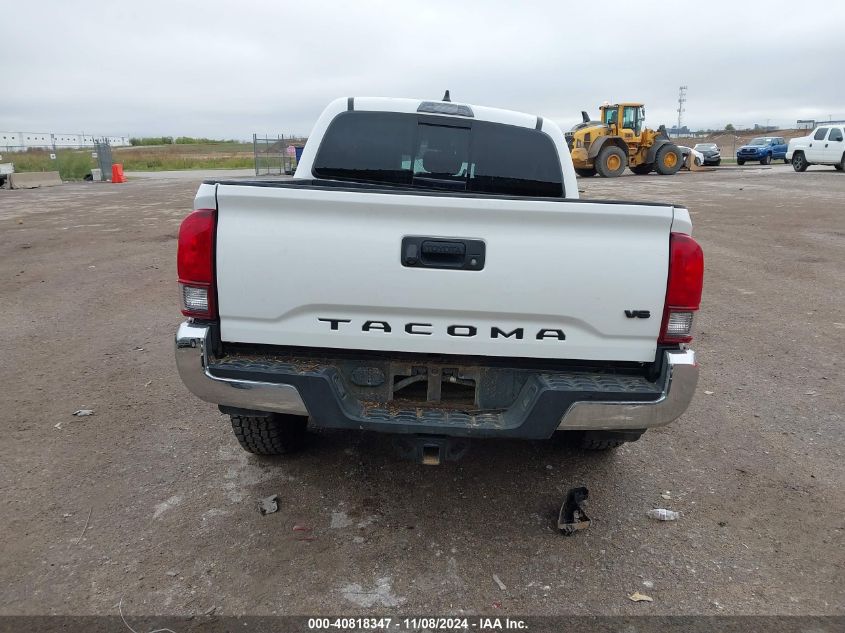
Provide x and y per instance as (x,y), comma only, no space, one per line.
(763,149)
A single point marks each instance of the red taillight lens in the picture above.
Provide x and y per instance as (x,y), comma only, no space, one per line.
(683,288)
(195,264)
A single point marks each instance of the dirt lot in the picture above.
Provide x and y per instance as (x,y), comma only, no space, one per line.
(151,501)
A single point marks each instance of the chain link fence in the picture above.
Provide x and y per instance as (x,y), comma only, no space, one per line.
(276,156)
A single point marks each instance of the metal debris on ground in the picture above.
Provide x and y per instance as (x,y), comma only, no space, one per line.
(662,514)
(640,597)
(572,516)
(269,505)
(81,413)
(499,582)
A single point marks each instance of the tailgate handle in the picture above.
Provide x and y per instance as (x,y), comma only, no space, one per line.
(434,252)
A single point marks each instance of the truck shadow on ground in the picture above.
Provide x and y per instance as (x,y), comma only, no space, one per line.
(497,482)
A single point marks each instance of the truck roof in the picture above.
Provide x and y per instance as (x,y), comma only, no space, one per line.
(480,113)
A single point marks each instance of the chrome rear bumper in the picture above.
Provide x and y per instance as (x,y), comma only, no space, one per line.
(679,382)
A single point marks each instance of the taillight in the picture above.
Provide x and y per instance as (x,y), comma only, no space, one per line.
(683,288)
(195,264)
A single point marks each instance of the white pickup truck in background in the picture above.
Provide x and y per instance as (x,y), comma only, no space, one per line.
(823,146)
(430,271)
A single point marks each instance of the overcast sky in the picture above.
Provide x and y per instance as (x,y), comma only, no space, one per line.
(228,68)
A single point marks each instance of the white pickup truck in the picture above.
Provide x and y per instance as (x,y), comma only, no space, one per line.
(823,146)
(431,272)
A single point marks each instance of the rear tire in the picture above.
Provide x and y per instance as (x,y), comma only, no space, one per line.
(643,170)
(799,163)
(270,434)
(668,160)
(611,162)
(841,165)
(697,161)
(585,172)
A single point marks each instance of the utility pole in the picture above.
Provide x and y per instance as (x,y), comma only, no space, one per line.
(682,99)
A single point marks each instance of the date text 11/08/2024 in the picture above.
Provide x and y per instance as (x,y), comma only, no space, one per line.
(415,624)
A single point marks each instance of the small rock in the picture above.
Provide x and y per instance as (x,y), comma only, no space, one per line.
(648,584)
(81,413)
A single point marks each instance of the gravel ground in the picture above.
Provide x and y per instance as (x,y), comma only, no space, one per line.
(151,501)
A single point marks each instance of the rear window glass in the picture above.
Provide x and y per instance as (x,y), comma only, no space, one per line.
(410,149)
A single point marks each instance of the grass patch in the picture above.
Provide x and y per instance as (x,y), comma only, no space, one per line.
(177,157)
(71,164)
(75,164)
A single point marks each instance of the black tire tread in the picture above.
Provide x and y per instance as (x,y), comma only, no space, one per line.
(600,161)
(273,434)
(658,163)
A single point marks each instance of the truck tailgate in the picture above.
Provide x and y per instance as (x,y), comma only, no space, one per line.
(322,267)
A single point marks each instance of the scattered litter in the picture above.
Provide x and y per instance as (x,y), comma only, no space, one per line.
(269,505)
(138,349)
(148,383)
(648,584)
(81,413)
(497,604)
(340,520)
(85,527)
(640,597)
(120,611)
(572,516)
(810,393)
(662,514)
(303,533)
(499,582)
(67,515)
(171,573)
(213,608)
(709,393)
(58,425)
(666,495)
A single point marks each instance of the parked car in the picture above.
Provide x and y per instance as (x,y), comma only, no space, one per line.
(690,155)
(430,271)
(711,152)
(764,149)
(825,146)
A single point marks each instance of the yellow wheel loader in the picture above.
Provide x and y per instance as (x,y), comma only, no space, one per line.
(620,140)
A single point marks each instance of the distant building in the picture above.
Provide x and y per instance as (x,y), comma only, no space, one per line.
(47,140)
